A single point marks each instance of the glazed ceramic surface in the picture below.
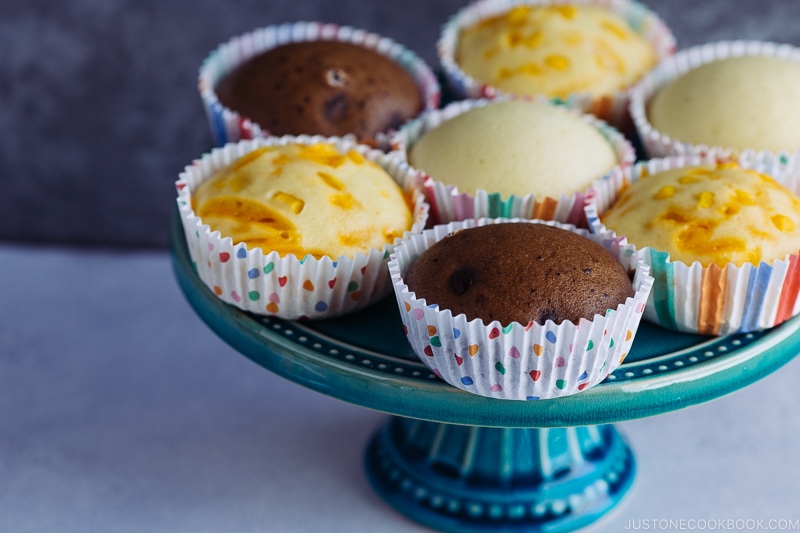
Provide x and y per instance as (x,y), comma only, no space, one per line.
(365,359)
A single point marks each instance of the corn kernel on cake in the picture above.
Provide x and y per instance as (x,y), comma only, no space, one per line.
(304,200)
(555,50)
(723,214)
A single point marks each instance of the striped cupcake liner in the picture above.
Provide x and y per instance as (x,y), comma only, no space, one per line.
(518,361)
(725,300)
(611,108)
(713,300)
(289,287)
(658,144)
(447,204)
(227,125)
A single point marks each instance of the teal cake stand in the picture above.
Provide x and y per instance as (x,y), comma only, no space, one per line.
(460,462)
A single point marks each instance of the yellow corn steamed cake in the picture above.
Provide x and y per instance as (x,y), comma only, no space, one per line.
(515,147)
(555,50)
(738,102)
(723,214)
(298,199)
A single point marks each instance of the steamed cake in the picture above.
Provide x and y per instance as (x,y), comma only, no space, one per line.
(519,272)
(738,102)
(720,215)
(328,88)
(515,147)
(300,200)
(555,50)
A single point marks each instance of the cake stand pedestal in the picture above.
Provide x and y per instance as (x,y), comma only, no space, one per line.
(459,462)
(469,478)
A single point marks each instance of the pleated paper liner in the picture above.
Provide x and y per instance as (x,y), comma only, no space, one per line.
(713,300)
(289,287)
(518,361)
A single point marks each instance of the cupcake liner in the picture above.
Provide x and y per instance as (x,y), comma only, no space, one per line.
(658,144)
(518,361)
(712,300)
(289,287)
(612,108)
(447,204)
(228,125)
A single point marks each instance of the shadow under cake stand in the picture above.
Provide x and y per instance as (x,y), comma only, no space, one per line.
(460,462)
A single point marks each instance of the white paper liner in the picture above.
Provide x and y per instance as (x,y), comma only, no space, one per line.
(711,300)
(447,204)
(228,125)
(658,144)
(611,108)
(289,287)
(517,362)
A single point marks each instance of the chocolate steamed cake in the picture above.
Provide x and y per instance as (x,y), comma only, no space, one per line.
(519,272)
(326,88)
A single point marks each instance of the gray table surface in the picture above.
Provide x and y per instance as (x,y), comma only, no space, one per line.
(120,411)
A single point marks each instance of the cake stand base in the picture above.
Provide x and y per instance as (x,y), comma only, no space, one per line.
(468,479)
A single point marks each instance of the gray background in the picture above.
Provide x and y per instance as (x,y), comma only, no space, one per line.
(99,110)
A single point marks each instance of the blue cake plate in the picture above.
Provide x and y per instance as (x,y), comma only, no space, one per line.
(461,462)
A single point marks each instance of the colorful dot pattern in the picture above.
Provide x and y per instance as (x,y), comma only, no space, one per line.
(244,279)
(520,362)
(498,366)
(305,287)
(284,287)
(271,301)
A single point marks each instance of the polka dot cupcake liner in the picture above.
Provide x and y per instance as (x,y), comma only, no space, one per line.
(228,125)
(447,204)
(289,287)
(518,361)
(712,300)
(658,144)
(612,108)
